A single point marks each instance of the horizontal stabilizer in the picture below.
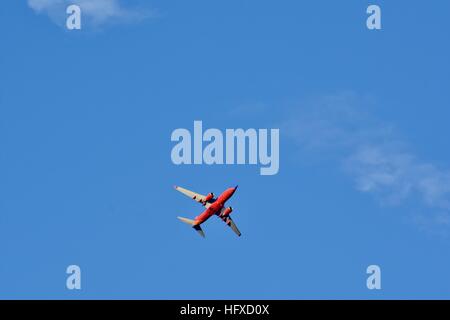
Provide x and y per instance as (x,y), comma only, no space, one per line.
(186,220)
(192,223)
(199,230)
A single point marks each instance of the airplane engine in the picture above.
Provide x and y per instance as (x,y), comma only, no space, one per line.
(227,212)
(209,197)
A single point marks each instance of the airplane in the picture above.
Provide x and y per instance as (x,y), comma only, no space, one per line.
(214,206)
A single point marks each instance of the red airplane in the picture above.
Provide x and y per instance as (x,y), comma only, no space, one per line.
(214,206)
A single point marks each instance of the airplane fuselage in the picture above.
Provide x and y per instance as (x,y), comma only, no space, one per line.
(216,206)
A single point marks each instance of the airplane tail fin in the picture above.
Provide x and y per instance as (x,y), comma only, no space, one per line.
(192,223)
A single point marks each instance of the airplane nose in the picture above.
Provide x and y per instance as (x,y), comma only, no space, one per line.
(236,187)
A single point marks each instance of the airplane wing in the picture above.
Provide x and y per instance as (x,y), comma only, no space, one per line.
(231,224)
(193,195)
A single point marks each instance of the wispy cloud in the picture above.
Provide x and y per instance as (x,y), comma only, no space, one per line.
(373,153)
(248,109)
(94,12)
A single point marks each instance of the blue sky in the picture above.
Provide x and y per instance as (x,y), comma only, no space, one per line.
(86,175)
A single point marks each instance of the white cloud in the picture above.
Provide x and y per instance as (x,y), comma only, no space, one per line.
(94,12)
(397,175)
(372,153)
